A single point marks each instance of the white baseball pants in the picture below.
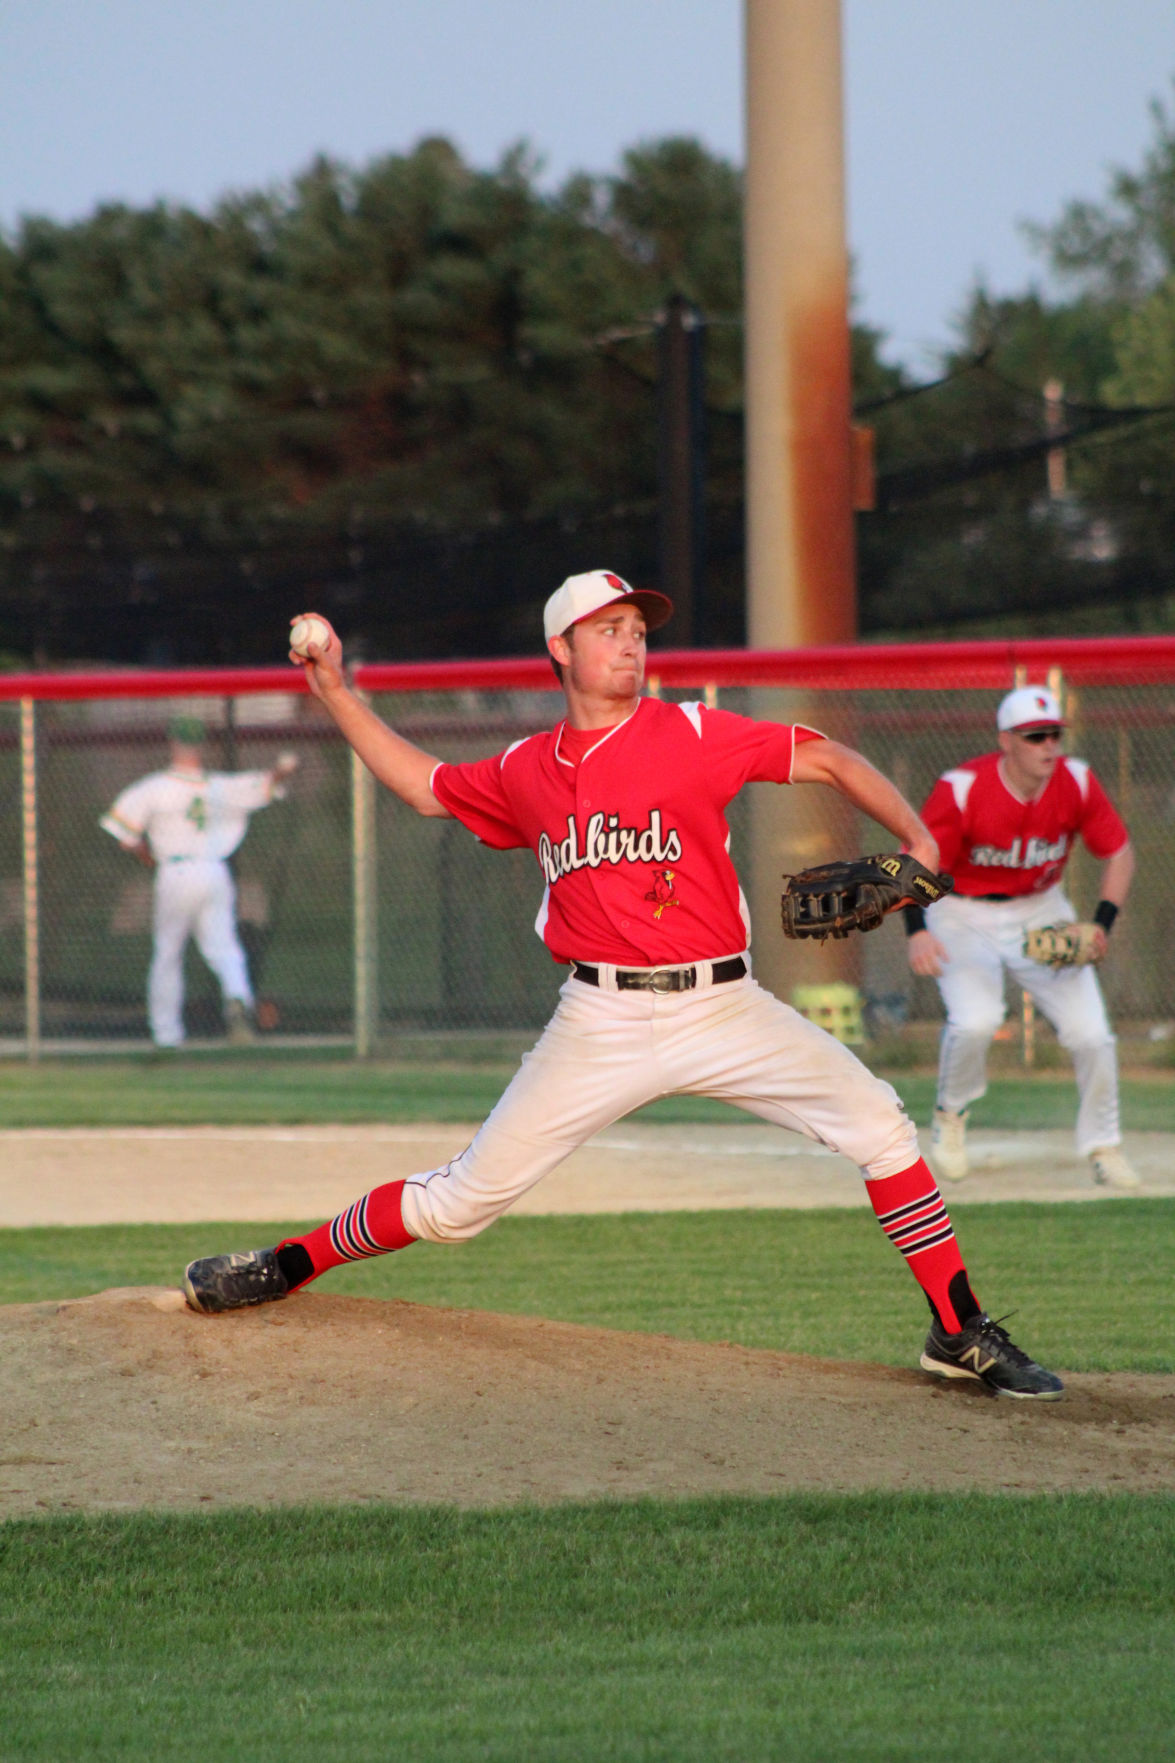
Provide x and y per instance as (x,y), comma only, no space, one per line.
(984,939)
(193,897)
(604,1053)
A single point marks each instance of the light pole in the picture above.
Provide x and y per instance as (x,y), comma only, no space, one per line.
(801,562)
(681,465)
(801,565)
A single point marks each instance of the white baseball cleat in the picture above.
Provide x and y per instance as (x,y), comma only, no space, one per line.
(948,1145)
(1111,1169)
(238,1023)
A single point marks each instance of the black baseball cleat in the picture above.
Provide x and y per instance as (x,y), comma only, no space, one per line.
(230,1282)
(982,1350)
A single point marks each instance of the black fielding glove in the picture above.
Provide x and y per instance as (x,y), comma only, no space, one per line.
(835,899)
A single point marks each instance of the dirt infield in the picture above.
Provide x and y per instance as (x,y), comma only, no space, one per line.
(128,1399)
(184,1175)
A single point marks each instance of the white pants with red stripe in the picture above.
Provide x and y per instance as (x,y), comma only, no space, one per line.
(984,939)
(605,1053)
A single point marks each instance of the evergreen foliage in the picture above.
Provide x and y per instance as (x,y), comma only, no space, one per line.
(418,386)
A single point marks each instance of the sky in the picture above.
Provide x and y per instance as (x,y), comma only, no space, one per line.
(963,117)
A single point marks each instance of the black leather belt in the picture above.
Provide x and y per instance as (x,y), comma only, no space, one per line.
(662,979)
(991,896)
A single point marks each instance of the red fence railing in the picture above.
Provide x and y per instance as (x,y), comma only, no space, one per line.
(850,667)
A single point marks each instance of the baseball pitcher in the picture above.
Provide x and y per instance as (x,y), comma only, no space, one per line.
(623,804)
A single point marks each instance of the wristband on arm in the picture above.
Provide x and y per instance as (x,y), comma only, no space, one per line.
(914,918)
(1105,914)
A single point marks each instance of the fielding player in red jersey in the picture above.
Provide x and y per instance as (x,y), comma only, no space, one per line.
(623,804)
(1006,825)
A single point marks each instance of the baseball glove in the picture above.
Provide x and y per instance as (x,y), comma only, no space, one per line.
(1064,945)
(837,898)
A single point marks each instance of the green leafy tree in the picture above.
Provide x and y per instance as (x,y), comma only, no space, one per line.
(973,529)
(1122,248)
(200,405)
(419,380)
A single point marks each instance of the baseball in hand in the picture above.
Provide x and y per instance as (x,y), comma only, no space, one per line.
(307,631)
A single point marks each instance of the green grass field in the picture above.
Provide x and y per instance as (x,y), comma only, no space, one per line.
(755,1631)
(817,1282)
(800,1629)
(241,1089)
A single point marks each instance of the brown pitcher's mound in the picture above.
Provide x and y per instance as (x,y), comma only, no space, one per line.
(130,1400)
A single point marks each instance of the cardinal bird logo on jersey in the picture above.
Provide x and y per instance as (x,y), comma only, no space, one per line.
(662,891)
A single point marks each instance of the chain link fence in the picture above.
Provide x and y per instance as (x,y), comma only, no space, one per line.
(364,923)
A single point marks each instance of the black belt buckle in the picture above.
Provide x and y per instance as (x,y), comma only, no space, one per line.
(660,980)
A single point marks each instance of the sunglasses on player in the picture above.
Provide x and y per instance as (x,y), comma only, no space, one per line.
(1038,736)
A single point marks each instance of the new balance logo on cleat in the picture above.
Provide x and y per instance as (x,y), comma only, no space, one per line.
(978,1363)
(231,1282)
(982,1351)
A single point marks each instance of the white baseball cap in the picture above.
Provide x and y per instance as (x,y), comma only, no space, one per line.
(581,595)
(1029,707)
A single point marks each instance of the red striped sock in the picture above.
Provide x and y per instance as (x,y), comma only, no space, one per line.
(910,1211)
(374,1225)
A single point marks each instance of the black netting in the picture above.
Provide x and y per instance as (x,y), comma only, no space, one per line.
(455,949)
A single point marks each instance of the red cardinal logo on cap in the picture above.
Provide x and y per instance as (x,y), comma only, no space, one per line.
(615,582)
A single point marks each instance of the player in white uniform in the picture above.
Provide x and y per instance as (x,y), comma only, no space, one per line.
(184,823)
(623,804)
(1006,825)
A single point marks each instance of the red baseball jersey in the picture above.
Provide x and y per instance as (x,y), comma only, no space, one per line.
(629,827)
(993,843)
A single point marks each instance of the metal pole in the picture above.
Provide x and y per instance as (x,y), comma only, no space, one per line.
(1028,1026)
(1054,422)
(229,737)
(1056,685)
(364,895)
(801,566)
(32,907)
(681,460)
